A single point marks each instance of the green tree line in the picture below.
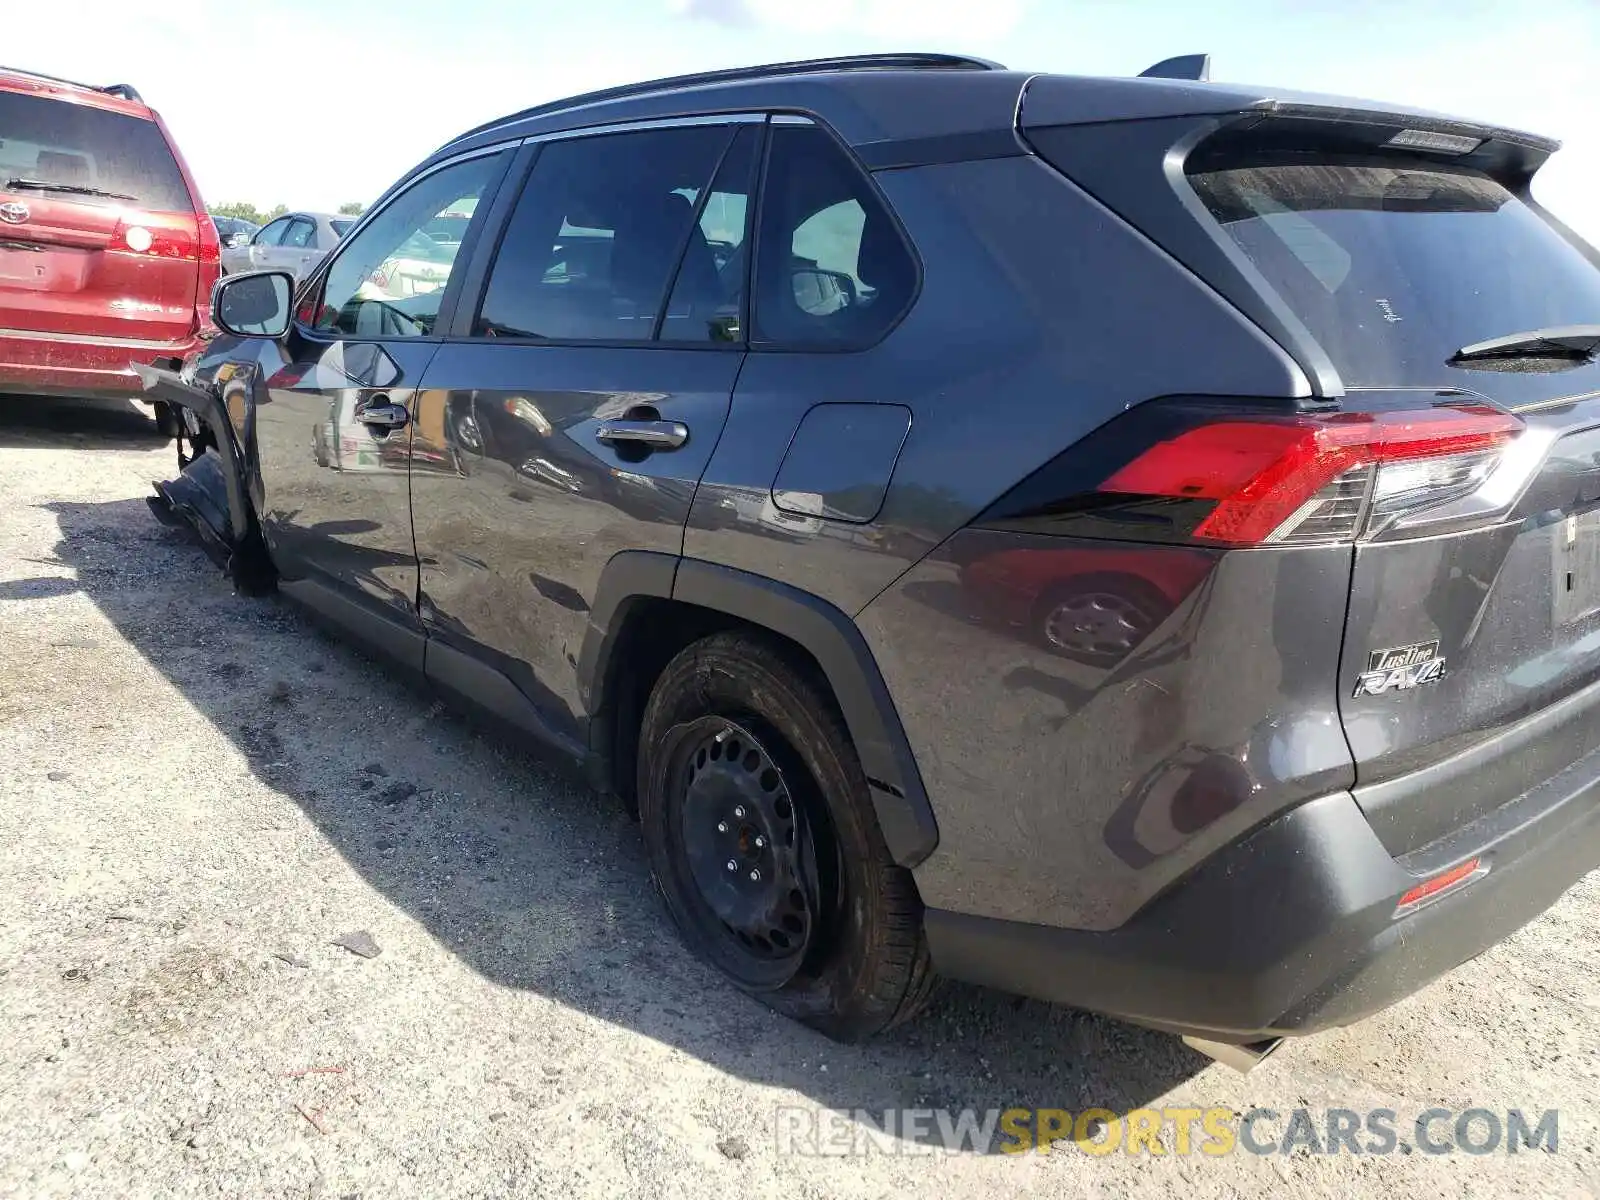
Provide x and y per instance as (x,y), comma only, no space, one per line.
(258,216)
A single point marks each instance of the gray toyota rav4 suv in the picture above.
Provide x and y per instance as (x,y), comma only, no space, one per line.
(1131,542)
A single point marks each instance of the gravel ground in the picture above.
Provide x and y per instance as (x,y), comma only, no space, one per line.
(200,795)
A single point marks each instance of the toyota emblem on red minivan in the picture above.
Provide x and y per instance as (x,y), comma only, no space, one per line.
(13,213)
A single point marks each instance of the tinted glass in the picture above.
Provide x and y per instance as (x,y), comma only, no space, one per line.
(378,285)
(300,235)
(448,228)
(597,233)
(55,141)
(1395,264)
(341,227)
(272,232)
(709,289)
(832,267)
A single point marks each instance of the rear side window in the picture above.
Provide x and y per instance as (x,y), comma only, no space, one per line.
(1394,264)
(597,235)
(832,269)
(709,289)
(59,142)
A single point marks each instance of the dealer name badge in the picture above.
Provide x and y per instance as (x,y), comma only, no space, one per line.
(1400,668)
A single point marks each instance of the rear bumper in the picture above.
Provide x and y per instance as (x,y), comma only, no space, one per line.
(38,364)
(1291,930)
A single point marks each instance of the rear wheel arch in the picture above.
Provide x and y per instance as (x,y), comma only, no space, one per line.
(649,606)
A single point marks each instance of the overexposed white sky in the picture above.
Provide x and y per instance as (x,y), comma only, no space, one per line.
(311,103)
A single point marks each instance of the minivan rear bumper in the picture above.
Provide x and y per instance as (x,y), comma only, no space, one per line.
(1292,930)
(44,364)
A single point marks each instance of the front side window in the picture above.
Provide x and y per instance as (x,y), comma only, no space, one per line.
(598,233)
(833,269)
(272,233)
(388,280)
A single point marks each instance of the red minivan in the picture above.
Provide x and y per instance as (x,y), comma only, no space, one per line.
(106,255)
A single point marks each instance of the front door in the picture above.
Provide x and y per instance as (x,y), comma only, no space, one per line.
(264,246)
(335,421)
(583,399)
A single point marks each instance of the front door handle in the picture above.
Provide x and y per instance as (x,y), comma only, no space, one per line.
(657,435)
(380,413)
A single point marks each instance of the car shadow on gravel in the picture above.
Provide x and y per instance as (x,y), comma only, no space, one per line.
(529,878)
(74,421)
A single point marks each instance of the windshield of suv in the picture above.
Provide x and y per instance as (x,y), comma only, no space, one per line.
(1394,264)
(58,142)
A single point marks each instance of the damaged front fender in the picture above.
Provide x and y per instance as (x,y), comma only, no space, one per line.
(211,495)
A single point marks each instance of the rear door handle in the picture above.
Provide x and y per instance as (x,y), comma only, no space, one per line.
(658,435)
(381,413)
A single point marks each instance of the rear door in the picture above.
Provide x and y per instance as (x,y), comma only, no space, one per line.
(335,426)
(1475,598)
(98,233)
(582,399)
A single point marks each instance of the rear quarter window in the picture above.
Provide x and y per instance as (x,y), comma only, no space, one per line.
(57,141)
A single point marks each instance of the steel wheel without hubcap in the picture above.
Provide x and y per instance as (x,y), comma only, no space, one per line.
(744,838)
(763,842)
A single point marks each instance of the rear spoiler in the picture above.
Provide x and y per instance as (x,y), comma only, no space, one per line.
(1181,88)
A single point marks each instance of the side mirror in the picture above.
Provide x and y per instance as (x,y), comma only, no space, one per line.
(821,293)
(253,305)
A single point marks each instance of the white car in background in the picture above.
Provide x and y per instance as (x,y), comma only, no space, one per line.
(418,265)
(294,242)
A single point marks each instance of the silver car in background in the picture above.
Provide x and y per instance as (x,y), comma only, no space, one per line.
(294,242)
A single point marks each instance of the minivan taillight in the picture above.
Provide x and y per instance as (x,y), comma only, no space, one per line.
(158,235)
(1233,476)
(210,247)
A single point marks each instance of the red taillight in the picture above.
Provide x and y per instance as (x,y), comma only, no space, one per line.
(1263,472)
(210,249)
(1248,473)
(1430,889)
(161,235)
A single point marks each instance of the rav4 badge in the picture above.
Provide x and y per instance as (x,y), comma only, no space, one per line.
(1400,668)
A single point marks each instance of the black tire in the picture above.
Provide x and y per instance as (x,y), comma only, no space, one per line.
(863,966)
(168,423)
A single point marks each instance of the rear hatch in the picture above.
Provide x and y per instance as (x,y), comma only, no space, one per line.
(1445,301)
(98,232)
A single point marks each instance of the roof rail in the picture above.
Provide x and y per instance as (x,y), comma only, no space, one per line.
(810,66)
(121,90)
(1184,66)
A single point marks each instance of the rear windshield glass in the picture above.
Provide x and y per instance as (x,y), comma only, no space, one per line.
(56,141)
(1395,264)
